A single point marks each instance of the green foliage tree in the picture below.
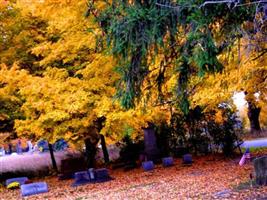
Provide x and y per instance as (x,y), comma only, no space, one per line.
(190,34)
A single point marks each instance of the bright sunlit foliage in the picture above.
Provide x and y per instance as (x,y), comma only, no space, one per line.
(63,65)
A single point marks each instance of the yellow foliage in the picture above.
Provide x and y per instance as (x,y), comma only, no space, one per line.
(219,117)
(77,83)
(240,74)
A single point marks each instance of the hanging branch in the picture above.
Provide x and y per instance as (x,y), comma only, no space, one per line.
(220,2)
(236,2)
(258,23)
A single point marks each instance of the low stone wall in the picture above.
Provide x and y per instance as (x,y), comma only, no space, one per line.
(30,164)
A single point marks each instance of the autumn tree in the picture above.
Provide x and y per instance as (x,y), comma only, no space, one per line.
(10,102)
(192,36)
(244,71)
(20,32)
(76,84)
(239,75)
(154,56)
(185,32)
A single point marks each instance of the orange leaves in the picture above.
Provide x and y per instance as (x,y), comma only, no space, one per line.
(3,4)
(219,117)
(208,178)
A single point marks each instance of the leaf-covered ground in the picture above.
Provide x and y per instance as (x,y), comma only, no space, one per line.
(208,178)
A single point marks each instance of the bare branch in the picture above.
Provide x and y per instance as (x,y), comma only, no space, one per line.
(261,54)
(177,7)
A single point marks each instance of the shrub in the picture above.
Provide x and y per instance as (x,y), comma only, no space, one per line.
(203,132)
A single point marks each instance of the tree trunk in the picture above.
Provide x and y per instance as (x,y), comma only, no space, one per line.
(104,148)
(54,164)
(90,151)
(253,116)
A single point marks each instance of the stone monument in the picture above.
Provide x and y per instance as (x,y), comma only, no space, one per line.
(260,167)
(151,149)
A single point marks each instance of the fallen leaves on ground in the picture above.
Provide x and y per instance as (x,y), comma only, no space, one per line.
(210,177)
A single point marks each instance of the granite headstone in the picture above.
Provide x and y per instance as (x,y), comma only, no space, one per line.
(33,188)
(71,165)
(167,161)
(81,178)
(187,159)
(151,149)
(148,165)
(260,166)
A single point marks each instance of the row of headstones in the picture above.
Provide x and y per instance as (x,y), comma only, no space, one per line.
(41,145)
(19,149)
(91,176)
(167,162)
(80,178)
(102,175)
(27,188)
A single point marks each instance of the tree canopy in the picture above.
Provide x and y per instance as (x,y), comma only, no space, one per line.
(65,64)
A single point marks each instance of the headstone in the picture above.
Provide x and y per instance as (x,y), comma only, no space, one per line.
(19,148)
(2,152)
(102,175)
(92,173)
(30,146)
(20,180)
(187,159)
(60,145)
(151,150)
(91,176)
(260,166)
(42,145)
(81,178)
(71,165)
(148,165)
(33,188)
(9,149)
(167,162)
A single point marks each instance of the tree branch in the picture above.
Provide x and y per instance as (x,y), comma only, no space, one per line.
(261,54)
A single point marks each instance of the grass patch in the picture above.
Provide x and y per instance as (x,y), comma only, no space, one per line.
(255,149)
